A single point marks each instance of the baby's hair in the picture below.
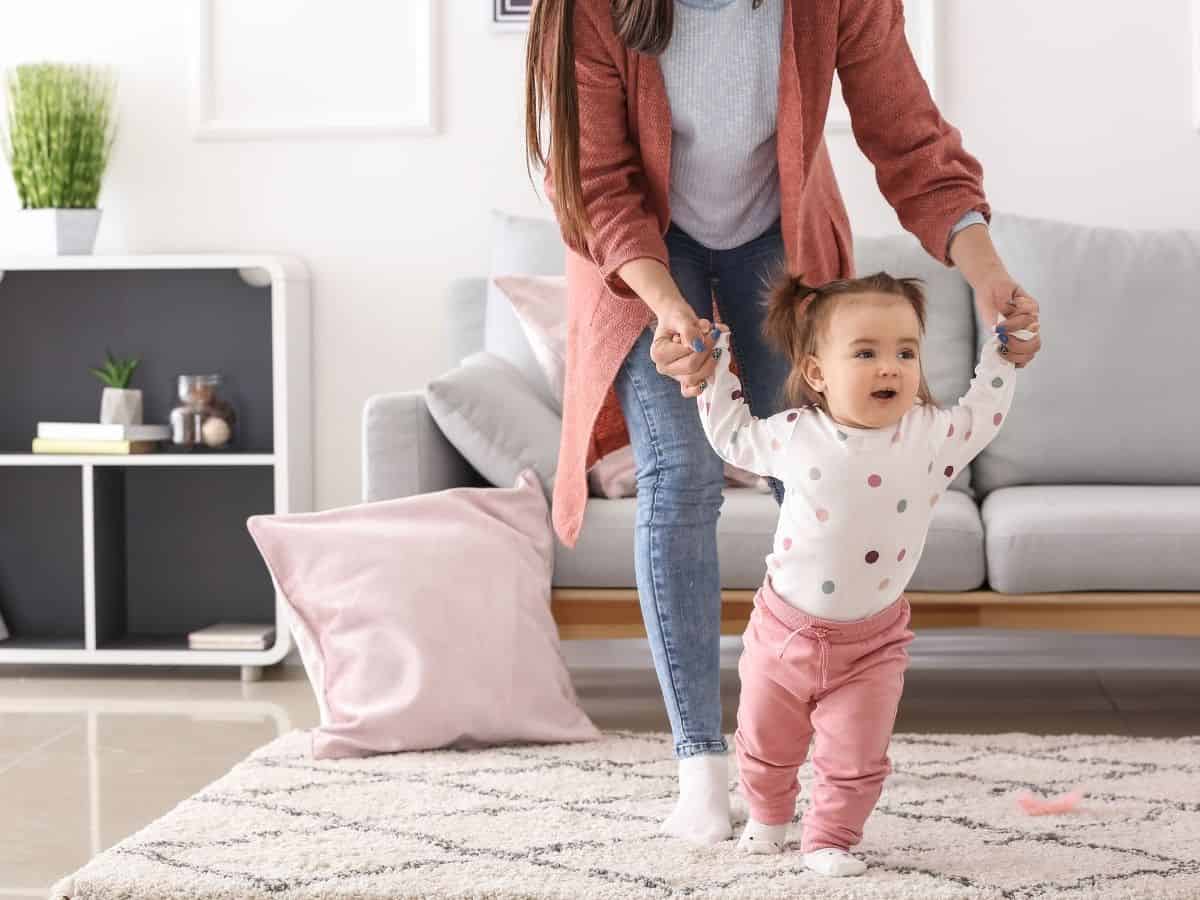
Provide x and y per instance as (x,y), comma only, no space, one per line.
(798,314)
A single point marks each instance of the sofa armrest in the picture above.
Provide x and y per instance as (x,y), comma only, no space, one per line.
(404,451)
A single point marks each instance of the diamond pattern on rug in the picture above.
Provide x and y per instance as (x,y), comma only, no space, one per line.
(580,821)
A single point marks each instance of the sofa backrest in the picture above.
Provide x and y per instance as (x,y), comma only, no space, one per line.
(1116,305)
(1111,399)
(466,300)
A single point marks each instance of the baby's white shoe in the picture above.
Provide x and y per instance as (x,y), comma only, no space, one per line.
(760,838)
(835,862)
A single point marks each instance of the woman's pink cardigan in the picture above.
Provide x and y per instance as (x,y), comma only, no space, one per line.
(625,154)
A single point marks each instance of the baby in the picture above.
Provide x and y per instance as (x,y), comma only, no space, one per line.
(864,454)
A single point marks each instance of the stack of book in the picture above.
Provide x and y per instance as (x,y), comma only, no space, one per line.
(96,437)
(232,636)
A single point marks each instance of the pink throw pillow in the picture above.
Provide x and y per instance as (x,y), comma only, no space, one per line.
(425,622)
(615,475)
(540,304)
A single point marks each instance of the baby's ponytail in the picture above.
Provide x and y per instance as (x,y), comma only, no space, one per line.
(790,327)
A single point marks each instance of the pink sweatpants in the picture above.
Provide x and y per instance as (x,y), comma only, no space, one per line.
(802,675)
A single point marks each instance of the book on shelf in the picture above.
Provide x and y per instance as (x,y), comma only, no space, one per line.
(232,636)
(101,431)
(49,445)
(3,630)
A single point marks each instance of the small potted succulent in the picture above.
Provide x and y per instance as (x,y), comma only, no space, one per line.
(119,404)
(57,142)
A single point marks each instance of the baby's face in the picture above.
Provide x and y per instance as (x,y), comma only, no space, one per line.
(872,346)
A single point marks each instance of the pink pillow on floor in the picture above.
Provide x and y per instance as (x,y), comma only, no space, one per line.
(425,622)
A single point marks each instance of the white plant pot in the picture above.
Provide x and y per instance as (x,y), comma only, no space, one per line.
(121,407)
(57,232)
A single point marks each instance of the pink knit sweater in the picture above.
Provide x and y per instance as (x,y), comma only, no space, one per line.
(625,153)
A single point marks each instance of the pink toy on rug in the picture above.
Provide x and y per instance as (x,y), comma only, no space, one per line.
(1033,805)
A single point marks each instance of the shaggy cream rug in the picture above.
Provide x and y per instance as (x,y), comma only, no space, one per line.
(579,821)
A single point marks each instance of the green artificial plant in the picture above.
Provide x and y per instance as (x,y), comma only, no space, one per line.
(59,133)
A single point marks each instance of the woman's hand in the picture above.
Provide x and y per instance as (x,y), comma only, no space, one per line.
(999,294)
(682,347)
(972,251)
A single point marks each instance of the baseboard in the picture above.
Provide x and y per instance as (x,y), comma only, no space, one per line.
(968,648)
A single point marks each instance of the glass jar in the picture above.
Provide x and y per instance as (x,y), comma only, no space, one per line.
(202,420)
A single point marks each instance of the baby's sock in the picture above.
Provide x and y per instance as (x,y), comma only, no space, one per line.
(760,838)
(701,814)
(834,861)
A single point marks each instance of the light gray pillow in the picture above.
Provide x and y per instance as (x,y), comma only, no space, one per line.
(520,246)
(1109,399)
(496,420)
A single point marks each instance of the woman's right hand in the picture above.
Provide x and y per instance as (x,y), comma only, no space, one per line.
(682,347)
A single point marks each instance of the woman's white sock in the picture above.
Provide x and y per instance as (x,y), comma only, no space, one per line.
(834,861)
(701,814)
(760,838)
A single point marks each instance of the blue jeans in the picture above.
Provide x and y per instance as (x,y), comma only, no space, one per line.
(680,477)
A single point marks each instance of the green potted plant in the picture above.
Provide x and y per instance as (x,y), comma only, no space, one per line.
(57,142)
(119,404)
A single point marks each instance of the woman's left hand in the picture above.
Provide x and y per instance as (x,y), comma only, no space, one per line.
(999,294)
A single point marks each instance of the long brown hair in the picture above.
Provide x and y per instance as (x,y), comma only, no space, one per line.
(641,25)
(798,314)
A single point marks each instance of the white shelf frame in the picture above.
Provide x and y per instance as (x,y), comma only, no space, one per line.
(147,459)
(291,376)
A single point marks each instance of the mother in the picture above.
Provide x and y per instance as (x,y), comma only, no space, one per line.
(686,159)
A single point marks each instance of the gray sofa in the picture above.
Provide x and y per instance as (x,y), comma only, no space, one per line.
(1084,514)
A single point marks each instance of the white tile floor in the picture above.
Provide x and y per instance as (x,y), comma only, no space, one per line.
(89,756)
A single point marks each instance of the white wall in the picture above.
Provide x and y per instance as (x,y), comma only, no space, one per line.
(1078,109)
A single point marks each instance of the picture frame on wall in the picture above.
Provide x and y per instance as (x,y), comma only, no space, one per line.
(509,15)
(382,82)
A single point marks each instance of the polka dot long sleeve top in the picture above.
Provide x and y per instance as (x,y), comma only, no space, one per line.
(858,501)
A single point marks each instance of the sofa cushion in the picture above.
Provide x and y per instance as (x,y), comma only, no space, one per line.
(1093,538)
(952,559)
(949,348)
(1106,402)
(520,246)
(496,421)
